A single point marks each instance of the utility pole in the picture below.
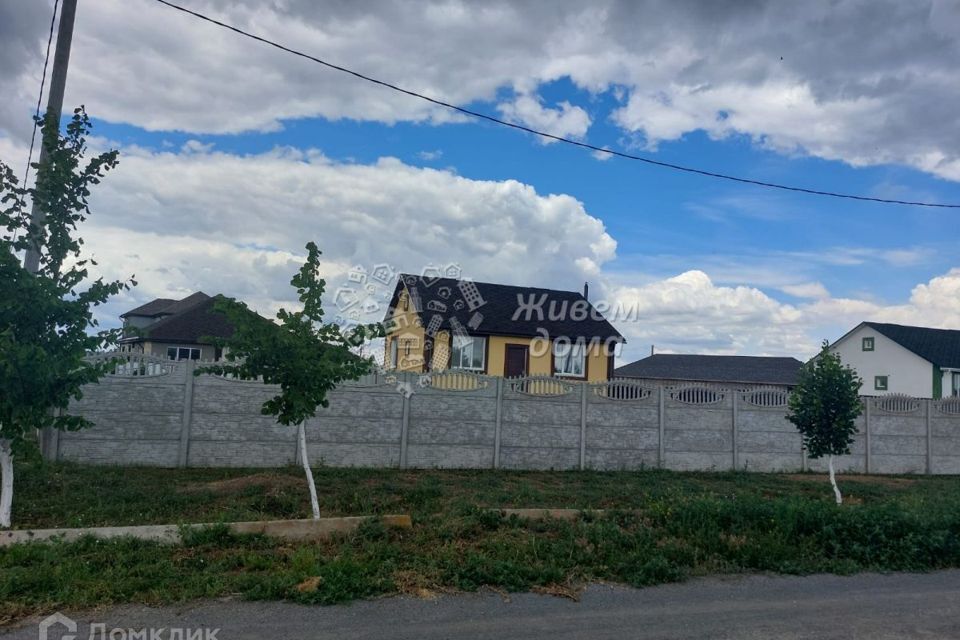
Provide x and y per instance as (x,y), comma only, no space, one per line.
(58,83)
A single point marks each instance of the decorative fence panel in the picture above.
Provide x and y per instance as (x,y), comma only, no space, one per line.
(151,411)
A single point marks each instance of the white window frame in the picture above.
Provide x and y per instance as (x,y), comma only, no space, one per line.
(457,345)
(179,353)
(564,354)
(394,351)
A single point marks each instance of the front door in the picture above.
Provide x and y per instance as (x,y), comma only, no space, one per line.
(515,361)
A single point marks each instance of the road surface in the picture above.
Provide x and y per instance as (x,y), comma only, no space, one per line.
(762,607)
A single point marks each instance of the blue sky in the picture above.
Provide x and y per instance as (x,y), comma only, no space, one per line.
(233,155)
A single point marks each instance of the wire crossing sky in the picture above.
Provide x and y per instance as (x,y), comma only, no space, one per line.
(549,136)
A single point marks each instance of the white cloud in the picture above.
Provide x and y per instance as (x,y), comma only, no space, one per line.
(806,290)
(794,77)
(565,121)
(237,224)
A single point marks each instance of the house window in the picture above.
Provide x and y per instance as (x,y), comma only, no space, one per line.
(183,353)
(394,352)
(468,352)
(955,384)
(868,344)
(880,383)
(569,359)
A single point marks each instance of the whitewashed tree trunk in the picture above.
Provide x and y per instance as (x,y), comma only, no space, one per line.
(305,459)
(833,480)
(6,483)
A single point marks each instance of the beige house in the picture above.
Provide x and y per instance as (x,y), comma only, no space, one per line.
(436,324)
(176,329)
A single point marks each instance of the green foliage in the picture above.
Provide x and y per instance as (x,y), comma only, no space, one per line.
(658,526)
(825,404)
(46,318)
(300,353)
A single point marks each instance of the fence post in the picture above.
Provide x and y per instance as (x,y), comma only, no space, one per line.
(499,424)
(187,417)
(404,429)
(866,430)
(661,456)
(583,425)
(736,457)
(929,404)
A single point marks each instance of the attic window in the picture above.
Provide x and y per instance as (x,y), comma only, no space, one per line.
(880,383)
(868,344)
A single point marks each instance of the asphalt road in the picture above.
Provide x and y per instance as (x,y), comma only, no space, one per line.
(863,606)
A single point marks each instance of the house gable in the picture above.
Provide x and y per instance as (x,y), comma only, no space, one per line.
(905,371)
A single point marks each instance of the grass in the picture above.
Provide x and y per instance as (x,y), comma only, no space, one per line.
(658,527)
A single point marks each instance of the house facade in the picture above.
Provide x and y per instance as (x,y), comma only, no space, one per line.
(891,358)
(436,324)
(737,372)
(175,329)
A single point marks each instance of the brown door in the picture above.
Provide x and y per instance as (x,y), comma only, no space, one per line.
(515,360)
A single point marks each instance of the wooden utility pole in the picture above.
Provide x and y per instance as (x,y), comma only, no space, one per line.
(58,83)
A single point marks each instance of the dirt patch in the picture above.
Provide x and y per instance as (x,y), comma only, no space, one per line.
(885,481)
(265,481)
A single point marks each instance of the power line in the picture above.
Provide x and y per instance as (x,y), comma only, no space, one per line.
(43,81)
(544,134)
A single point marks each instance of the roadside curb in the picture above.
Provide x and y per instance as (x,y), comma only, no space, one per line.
(170,533)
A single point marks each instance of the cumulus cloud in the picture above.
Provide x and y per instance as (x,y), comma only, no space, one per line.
(864,83)
(203,219)
(565,121)
(689,313)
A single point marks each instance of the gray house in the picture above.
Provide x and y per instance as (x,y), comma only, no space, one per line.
(738,372)
(175,329)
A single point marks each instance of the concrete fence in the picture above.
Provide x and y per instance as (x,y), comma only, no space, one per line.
(156,412)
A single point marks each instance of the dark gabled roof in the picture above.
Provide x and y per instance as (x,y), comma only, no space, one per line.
(151,309)
(939,346)
(198,321)
(166,306)
(749,369)
(500,303)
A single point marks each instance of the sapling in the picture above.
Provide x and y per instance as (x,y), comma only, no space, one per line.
(300,353)
(824,406)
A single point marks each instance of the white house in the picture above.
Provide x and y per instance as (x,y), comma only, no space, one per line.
(892,358)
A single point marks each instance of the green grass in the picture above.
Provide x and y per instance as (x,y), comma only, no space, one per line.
(659,526)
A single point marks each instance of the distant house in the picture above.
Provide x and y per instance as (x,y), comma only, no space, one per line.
(435,324)
(893,358)
(175,329)
(742,372)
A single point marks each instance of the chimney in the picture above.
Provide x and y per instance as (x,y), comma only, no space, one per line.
(586,290)
(651,349)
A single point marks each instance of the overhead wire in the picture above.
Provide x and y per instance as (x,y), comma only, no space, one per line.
(578,143)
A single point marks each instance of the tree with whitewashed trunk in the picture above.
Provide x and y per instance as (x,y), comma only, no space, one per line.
(47,326)
(301,354)
(824,406)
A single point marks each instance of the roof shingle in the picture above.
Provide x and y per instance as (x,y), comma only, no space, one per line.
(502,309)
(939,346)
(746,369)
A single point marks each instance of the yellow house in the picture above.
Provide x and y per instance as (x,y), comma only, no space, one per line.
(435,324)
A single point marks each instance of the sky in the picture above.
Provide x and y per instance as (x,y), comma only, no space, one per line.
(233,155)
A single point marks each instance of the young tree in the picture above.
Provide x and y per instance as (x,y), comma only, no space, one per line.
(300,353)
(824,407)
(46,319)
